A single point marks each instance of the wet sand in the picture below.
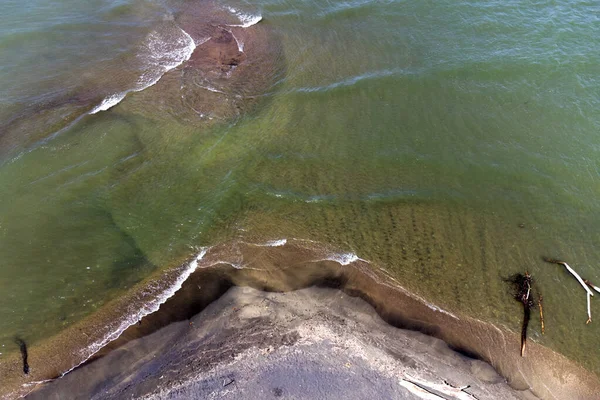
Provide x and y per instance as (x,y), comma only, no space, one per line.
(295,264)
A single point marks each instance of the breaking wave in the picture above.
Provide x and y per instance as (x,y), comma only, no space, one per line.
(160,295)
(246,20)
(163,51)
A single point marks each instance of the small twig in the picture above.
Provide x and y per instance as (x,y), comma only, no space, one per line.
(526,316)
(589,310)
(541,312)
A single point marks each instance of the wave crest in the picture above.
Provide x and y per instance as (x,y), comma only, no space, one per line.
(163,51)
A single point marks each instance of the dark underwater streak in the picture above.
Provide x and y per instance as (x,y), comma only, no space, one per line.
(23,348)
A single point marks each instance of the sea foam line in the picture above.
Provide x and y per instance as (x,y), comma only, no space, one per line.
(343,258)
(271,243)
(109,101)
(276,243)
(240,45)
(147,309)
(150,78)
(352,80)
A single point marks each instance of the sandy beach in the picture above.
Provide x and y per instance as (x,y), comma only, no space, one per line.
(306,344)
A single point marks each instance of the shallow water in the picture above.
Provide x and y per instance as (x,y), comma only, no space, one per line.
(449,143)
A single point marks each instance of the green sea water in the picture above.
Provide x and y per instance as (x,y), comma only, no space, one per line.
(452,143)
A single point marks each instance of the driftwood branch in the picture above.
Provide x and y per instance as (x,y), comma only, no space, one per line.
(522,292)
(575,274)
(583,284)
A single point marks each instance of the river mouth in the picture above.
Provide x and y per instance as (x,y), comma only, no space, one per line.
(292,264)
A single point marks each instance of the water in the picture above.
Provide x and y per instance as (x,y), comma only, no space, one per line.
(449,143)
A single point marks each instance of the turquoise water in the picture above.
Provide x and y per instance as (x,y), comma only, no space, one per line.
(451,143)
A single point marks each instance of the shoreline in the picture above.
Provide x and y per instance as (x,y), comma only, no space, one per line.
(295,265)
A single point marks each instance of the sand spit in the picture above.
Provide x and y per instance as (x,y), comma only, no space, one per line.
(306,344)
(299,264)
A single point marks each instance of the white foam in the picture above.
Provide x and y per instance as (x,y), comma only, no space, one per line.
(109,102)
(212,89)
(162,56)
(240,45)
(272,243)
(202,41)
(436,308)
(35,383)
(137,313)
(247,20)
(428,304)
(276,243)
(343,258)
(234,265)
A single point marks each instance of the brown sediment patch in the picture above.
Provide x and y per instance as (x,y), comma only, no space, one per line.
(227,74)
(224,78)
(298,264)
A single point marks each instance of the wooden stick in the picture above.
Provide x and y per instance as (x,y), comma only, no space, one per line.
(589,310)
(526,316)
(597,289)
(575,274)
(541,312)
